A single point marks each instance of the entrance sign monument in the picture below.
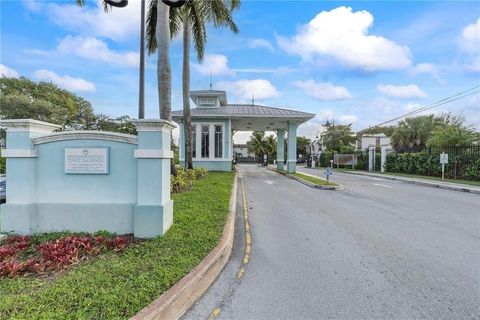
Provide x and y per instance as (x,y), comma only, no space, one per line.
(87,181)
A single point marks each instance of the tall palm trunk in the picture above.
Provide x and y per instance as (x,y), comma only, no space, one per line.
(187,119)
(164,74)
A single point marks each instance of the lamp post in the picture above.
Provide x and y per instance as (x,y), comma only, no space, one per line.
(141,85)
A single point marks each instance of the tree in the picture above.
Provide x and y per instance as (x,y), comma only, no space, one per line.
(303,146)
(257,144)
(416,131)
(387,130)
(338,135)
(271,146)
(413,131)
(452,135)
(191,18)
(25,99)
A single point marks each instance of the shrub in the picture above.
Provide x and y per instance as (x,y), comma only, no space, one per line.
(184,179)
(3,165)
(20,255)
(201,173)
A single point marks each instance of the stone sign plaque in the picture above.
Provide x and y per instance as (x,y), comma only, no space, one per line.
(86,160)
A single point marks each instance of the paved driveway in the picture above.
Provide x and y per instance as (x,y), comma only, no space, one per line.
(378,250)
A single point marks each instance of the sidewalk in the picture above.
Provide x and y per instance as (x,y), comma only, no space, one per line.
(419,181)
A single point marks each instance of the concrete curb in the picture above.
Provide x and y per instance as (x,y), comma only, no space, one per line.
(174,302)
(308,183)
(418,182)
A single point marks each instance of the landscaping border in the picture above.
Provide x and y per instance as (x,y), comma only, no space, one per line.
(307,183)
(174,302)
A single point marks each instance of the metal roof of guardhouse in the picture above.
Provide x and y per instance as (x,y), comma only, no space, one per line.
(245,110)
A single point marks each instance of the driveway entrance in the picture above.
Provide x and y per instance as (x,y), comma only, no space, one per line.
(377,250)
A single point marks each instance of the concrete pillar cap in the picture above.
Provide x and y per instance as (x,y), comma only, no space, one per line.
(28,125)
(154,125)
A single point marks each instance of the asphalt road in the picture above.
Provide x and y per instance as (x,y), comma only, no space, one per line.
(379,249)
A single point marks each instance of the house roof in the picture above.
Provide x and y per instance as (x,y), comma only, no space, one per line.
(245,110)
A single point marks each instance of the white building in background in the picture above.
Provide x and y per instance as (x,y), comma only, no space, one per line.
(241,150)
(376,140)
(317,147)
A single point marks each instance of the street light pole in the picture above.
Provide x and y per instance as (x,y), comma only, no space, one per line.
(141,85)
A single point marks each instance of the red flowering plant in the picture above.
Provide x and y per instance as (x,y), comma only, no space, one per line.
(30,255)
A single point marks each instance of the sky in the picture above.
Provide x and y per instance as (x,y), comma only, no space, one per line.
(357,62)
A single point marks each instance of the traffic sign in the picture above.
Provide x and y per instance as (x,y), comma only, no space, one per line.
(444,158)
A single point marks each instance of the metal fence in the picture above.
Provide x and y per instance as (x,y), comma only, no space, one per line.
(463,161)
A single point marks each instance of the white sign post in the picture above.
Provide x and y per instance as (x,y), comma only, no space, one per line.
(443,162)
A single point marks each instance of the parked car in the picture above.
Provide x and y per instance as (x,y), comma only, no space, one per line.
(3,189)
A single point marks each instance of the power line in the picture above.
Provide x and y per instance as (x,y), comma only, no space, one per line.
(457,96)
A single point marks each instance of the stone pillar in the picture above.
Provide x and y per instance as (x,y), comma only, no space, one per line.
(292,147)
(153,213)
(18,213)
(281,149)
(371,158)
(383,156)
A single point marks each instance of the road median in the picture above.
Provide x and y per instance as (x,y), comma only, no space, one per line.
(310,181)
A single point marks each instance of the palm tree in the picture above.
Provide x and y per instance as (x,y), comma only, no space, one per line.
(271,146)
(192,17)
(257,144)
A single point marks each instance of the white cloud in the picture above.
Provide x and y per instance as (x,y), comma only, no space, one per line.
(412,106)
(343,35)
(423,68)
(324,91)
(66,82)
(474,65)
(411,91)
(215,64)
(245,89)
(117,24)
(428,68)
(32,5)
(261,43)
(470,38)
(8,72)
(470,43)
(348,118)
(94,49)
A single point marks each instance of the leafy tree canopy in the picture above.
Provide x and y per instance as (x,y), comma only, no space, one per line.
(417,131)
(336,136)
(452,135)
(25,99)
(22,98)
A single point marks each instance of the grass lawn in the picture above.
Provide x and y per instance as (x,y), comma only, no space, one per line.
(118,285)
(318,181)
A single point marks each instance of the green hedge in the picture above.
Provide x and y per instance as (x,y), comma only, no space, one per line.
(3,165)
(464,166)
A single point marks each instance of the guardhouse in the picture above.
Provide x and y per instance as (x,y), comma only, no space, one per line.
(215,121)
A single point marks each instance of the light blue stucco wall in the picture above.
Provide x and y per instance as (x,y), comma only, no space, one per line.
(134,197)
(119,186)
